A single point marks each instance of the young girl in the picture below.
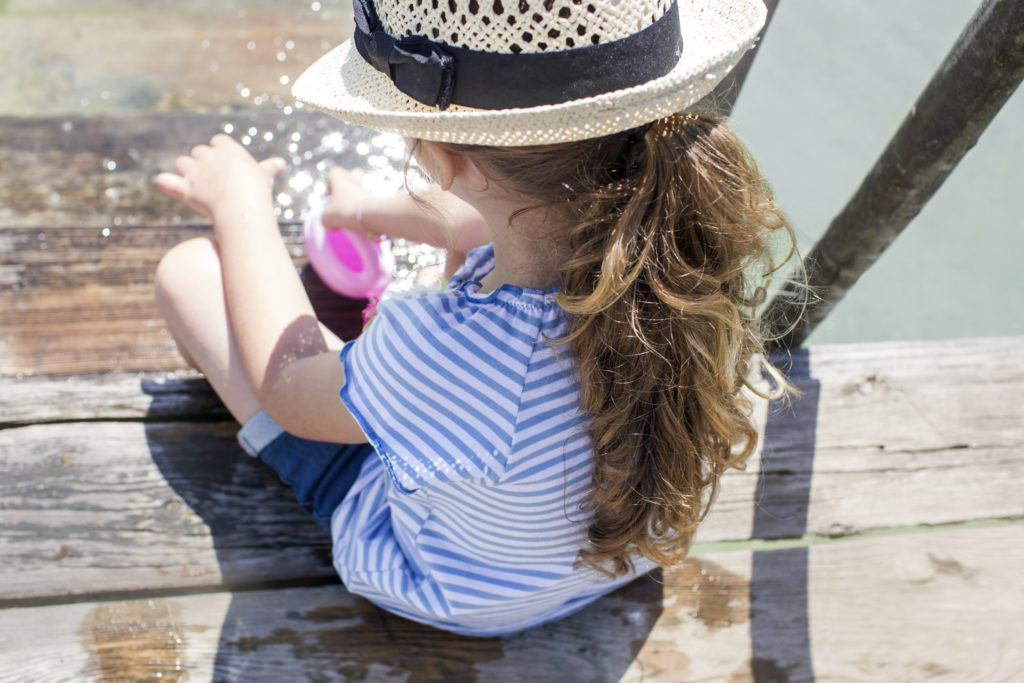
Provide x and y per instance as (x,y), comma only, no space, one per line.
(555,422)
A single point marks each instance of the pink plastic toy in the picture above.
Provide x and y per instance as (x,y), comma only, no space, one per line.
(346,260)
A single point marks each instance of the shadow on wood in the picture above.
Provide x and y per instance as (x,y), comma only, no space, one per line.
(779,607)
(272,543)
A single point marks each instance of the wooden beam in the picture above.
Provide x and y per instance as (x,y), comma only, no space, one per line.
(137,499)
(79,300)
(942,604)
(976,78)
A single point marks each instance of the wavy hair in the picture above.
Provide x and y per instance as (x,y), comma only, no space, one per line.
(670,237)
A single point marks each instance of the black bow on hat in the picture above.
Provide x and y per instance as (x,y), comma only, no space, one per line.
(417,66)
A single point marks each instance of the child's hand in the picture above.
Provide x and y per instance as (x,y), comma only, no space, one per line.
(220,175)
(344,205)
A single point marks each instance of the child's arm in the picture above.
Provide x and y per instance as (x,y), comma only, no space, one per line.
(440,218)
(284,353)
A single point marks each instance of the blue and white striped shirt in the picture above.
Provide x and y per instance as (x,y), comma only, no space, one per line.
(470,519)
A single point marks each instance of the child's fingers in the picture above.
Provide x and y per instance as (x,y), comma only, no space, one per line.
(184,165)
(172,184)
(273,165)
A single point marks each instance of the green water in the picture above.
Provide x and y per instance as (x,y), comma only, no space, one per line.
(831,83)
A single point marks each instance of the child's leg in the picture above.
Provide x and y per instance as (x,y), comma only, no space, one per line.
(190,293)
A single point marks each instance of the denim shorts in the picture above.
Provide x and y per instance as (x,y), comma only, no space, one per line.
(321,473)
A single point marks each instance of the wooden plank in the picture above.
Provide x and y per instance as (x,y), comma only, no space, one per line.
(80,300)
(114,396)
(122,506)
(977,77)
(896,435)
(69,56)
(97,172)
(942,606)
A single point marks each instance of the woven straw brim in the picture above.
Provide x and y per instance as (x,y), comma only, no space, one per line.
(716,34)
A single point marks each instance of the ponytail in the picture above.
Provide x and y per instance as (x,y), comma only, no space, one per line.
(670,237)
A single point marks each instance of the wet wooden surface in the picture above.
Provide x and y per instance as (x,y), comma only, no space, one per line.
(877,537)
(129,494)
(898,435)
(943,606)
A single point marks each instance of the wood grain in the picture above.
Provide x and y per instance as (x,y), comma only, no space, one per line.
(80,300)
(900,435)
(940,606)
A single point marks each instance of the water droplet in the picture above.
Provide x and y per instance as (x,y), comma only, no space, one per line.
(290,45)
(117,221)
(85,101)
(229,128)
(214,68)
(67,126)
(268,136)
(253,131)
(284,199)
(293,148)
(281,56)
(289,214)
(287,111)
(285,80)
(251,46)
(110,164)
(315,7)
(112,193)
(247,140)
(105,95)
(105,232)
(205,44)
(244,92)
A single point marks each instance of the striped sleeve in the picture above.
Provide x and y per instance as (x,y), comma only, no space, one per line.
(435,382)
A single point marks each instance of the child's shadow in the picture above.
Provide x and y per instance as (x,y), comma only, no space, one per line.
(304,624)
(309,626)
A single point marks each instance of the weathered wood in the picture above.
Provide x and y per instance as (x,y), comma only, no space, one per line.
(115,396)
(976,78)
(97,172)
(72,55)
(723,97)
(941,605)
(80,300)
(116,507)
(896,435)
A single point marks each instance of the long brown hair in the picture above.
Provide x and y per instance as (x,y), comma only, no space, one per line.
(670,237)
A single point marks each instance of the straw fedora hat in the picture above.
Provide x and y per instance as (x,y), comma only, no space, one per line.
(527,72)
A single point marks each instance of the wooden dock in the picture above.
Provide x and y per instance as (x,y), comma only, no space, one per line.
(879,534)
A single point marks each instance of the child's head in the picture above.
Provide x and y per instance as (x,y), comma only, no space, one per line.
(667,222)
